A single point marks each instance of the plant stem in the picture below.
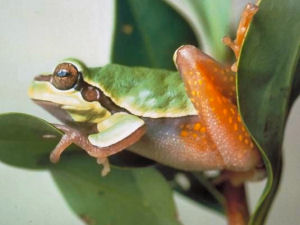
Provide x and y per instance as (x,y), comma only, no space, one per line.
(236,204)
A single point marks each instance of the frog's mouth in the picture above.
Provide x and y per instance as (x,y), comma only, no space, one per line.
(54,109)
(43,77)
(57,111)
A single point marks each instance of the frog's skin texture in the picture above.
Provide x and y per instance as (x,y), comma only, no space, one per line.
(190,123)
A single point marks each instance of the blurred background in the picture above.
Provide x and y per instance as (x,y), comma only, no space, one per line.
(34,36)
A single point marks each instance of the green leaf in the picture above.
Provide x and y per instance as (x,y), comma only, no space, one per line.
(124,196)
(22,143)
(147,33)
(213,23)
(266,71)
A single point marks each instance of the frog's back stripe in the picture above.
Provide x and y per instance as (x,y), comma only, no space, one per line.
(142,91)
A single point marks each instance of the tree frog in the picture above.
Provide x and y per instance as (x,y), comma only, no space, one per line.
(189,122)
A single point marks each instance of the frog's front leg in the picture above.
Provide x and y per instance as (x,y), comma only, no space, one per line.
(114,135)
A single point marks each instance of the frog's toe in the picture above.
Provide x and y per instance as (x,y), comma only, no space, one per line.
(64,143)
(60,147)
(106,166)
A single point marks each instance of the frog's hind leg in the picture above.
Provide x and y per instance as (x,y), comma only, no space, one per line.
(223,125)
(246,18)
(219,114)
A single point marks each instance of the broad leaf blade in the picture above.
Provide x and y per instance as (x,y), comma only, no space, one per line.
(266,72)
(124,196)
(24,142)
(213,23)
(147,33)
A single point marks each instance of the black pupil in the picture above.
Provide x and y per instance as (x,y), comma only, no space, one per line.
(63,73)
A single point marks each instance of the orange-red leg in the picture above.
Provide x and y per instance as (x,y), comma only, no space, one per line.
(218,113)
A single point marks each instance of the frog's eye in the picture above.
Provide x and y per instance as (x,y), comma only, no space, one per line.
(65,76)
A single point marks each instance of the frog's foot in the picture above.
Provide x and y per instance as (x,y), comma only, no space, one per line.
(231,44)
(238,178)
(71,136)
(235,48)
(246,18)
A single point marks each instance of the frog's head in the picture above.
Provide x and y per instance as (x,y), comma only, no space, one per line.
(67,96)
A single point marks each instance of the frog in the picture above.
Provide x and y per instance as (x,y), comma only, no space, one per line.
(186,120)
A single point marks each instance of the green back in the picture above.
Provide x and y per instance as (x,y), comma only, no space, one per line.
(142,91)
